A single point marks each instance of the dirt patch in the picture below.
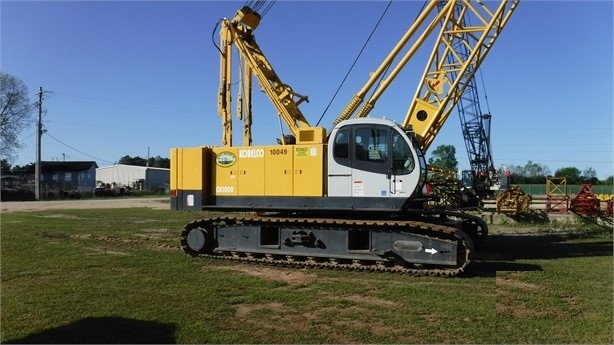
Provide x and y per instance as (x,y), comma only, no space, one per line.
(367,300)
(142,221)
(97,251)
(280,317)
(32,206)
(294,276)
(62,216)
(512,280)
(375,327)
(144,242)
(243,310)
(429,317)
(506,305)
(155,233)
(572,300)
(517,311)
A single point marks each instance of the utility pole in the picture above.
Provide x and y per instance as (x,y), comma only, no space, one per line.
(147,171)
(39,133)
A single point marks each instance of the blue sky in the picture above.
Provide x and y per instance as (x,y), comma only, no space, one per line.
(127,76)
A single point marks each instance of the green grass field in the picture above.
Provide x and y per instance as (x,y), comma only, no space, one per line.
(118,276)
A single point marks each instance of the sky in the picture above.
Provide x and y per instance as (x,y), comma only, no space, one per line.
(140,77)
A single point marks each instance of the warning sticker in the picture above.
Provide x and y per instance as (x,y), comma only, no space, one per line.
(358,188)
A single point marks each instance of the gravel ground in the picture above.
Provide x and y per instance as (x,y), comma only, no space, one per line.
(25,206)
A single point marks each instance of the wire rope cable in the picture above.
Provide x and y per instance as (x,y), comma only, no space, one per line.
(81,152)
(347,74)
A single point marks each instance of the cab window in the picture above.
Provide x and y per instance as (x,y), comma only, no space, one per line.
(341,147)
(402,158)
(372,145)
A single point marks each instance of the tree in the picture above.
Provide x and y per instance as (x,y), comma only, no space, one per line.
(23,169)
(154,162)
(589,175)
(138,161)
(535,170)
(159,162)
(531,173)
(6,166)
(572,174)
(444,156)
(16,114)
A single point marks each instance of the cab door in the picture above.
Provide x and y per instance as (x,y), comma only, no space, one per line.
(339,164)
(370,160)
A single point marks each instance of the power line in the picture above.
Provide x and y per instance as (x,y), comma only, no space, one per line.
(83,153)
(554,160)
(347,74)
(131,105)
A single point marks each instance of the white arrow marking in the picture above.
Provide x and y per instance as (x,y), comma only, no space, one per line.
(431,251)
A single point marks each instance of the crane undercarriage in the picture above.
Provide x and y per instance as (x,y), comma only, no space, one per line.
(440,244)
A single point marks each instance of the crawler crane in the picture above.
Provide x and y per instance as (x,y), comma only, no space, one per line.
(353,198)
(482,178)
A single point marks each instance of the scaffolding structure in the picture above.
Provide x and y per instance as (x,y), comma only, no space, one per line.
(557,197)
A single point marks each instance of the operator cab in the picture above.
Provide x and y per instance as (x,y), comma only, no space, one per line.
(371,157)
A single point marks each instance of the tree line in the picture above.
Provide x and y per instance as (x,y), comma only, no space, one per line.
(153,162)
(444,156)
(535,173)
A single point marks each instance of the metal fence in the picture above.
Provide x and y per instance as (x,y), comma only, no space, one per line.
(540,189)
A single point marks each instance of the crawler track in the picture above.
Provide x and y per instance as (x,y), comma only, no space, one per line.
(436,226)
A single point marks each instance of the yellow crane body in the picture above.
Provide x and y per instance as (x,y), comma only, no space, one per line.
(280,170)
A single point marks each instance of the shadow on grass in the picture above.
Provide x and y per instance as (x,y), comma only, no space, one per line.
(532,216)
(104,330)
(502,252)
(601,221)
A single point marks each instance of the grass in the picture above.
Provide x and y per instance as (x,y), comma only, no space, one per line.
(118,276)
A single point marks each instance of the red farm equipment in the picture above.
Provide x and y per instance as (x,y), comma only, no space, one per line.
(585,203)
